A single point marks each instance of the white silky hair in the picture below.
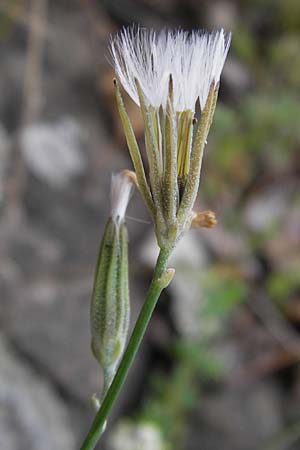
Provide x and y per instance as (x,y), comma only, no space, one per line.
(194,59)
(120,192)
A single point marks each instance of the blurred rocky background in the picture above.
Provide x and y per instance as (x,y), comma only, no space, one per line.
(219,367)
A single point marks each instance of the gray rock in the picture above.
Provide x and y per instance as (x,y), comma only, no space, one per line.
(267,208)
(4,147)
(237,76)
(135,436)
(238,419)
(32,417)
(54,151)
(49,321)
(222,13)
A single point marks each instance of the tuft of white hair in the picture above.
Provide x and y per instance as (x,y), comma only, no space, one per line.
(120,192)
(194,59)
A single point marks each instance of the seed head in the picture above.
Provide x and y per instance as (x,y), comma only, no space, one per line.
(194,59)
(166,73)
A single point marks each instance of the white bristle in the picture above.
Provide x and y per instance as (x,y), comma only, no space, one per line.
(194,59)
(121,187)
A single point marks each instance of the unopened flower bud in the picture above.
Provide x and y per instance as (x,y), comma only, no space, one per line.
(110,307)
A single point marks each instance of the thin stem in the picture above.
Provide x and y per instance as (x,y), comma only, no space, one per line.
(158,283)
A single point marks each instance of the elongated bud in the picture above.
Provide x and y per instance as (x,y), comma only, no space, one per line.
(110,308)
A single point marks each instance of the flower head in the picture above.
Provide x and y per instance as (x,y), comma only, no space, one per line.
(166,73)
(193,59)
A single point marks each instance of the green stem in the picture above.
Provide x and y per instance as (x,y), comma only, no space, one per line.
(158,283)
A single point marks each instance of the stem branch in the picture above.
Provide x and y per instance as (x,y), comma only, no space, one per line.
(158,283)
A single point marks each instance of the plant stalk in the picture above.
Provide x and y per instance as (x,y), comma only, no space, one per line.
(158,283)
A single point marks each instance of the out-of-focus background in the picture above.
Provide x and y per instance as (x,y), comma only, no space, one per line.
(219,366)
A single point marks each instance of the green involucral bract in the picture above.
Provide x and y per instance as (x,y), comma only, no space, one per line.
(174,152)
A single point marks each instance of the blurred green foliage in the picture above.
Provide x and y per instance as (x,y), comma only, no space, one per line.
(10,10)
(176,394)
(282,285)
(261,134)
(222,290)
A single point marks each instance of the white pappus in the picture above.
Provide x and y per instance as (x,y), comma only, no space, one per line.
(120,192)
(194,59)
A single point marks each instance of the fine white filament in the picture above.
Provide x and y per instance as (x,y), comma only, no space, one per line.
(120,192)
(194,59)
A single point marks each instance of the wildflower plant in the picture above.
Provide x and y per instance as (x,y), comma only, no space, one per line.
(166,74)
